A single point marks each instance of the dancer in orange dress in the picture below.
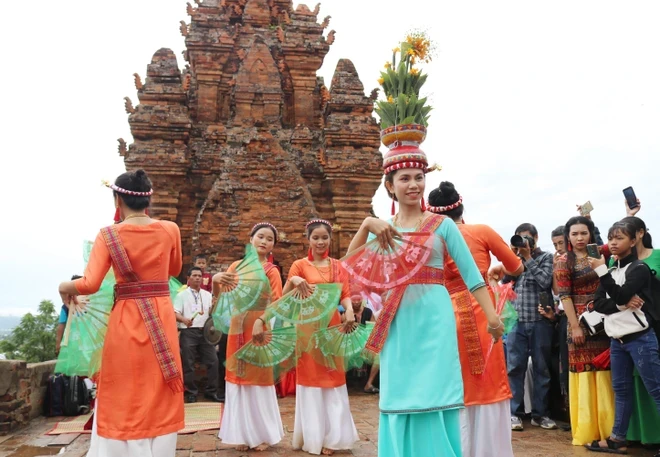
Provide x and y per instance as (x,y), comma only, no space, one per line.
(251,419)
(323,421)
(139,404)
(485,427)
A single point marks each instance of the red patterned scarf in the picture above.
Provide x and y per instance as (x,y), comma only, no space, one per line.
(123,268)
(427,275)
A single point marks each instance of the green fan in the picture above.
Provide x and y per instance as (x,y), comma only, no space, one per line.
(337,341)
(87,324)
(274,348)
(175,287)
(297,310)
(251,292)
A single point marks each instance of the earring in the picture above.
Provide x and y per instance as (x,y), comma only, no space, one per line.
(310,255)
(117,218)
(393,207)
(423,205)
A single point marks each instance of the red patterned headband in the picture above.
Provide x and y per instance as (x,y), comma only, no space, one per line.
(260,225)
(128,192)
(319,221)
(402,165)
(444,209)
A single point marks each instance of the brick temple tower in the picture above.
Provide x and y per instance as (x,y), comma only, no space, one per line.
(247,131)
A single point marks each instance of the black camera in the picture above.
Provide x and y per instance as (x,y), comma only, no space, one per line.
(518,241)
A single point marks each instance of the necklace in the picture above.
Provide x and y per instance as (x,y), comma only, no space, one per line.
(321,273)
(131,216)
(415,228)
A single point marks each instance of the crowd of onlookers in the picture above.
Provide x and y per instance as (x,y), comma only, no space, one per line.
(585,348)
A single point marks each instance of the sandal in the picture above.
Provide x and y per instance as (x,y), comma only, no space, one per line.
(371,390)
(613,447)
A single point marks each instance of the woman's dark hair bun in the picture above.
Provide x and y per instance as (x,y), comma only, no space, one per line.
(444,195)
(137,181)
(448,189)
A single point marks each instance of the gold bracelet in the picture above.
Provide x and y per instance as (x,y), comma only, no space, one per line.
(495,328)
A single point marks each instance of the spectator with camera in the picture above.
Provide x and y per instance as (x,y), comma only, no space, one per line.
(532,335)
(591,398)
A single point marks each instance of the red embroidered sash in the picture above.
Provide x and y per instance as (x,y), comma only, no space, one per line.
(123,268)
(427,275)
(460,295)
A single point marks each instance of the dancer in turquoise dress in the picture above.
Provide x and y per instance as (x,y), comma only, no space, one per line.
(421,393)
(421,382)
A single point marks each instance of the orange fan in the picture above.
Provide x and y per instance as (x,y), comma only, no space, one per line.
(380,269)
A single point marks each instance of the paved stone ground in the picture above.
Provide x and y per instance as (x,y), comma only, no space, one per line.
(31,441)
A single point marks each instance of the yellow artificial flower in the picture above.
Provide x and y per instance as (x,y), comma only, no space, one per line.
(397,49)
(421,46)
(390,99)
(388,64)
(414,71)
(381,81)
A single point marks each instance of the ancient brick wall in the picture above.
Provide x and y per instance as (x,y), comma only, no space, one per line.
(248,132)
(22,392)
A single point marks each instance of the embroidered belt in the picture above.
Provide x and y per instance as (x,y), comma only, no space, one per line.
(142,289)
(427,275)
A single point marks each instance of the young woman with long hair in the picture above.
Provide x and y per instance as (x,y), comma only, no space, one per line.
(591,397)
(624,296)
(251,418)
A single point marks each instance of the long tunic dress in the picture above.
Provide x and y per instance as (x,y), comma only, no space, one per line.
(591,398)
(485,426)
(323,415)
(251,416)
(421,383)
(137,413)
(645,420)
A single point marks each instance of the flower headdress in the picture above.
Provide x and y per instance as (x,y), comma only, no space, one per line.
(404,114)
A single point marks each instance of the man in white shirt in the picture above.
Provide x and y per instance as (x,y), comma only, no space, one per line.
(193,308)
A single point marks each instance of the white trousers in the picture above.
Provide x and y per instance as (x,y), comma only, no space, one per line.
(486,430)
(251,416)
(323,419)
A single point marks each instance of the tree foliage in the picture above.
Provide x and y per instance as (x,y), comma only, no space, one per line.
(33,340)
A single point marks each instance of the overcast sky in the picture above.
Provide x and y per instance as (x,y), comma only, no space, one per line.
(538,106)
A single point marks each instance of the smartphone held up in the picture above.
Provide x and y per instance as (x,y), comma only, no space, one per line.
(586,209)
(631,198)
(592,251)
